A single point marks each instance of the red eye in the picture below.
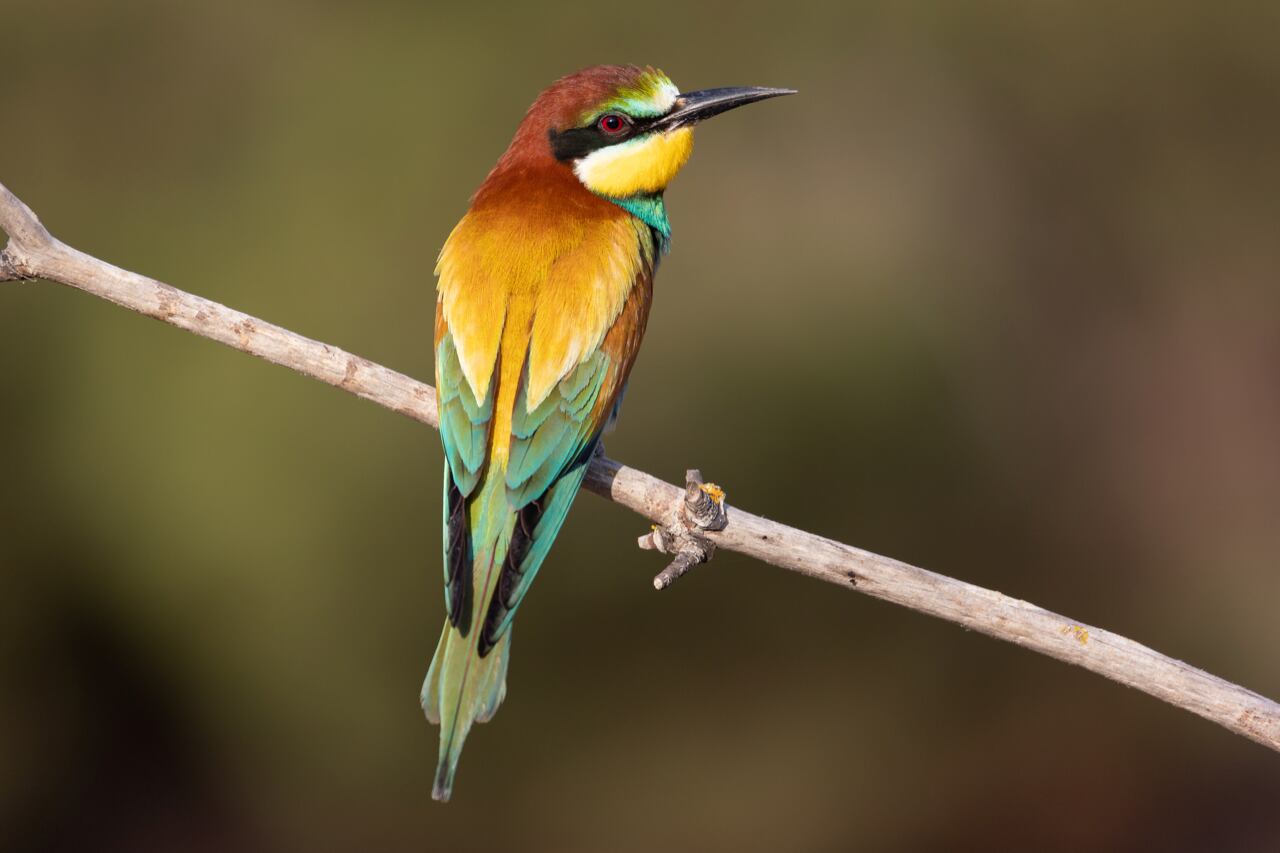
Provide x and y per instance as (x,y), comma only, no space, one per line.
(612,124)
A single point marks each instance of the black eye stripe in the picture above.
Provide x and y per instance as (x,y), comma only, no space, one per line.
(580,141)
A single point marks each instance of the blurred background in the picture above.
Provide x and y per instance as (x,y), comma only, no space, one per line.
(996,295)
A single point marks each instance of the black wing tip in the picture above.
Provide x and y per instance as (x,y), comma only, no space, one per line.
(502,602)
(458,555)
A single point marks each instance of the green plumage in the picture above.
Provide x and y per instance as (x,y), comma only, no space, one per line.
(652,211)
(496,539)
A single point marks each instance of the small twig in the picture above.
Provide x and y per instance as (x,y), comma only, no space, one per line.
(686,558)
(700,509)
(33,252)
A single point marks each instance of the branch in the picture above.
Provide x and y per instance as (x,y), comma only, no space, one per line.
(687,524)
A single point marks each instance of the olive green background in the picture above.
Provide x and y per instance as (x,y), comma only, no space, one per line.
(996,294)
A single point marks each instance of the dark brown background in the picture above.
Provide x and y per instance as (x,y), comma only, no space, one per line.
(996,294)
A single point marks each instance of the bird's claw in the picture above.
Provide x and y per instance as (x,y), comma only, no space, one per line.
(700,509)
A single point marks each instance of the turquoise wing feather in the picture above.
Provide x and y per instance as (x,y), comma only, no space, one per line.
(549,452)
(464,430)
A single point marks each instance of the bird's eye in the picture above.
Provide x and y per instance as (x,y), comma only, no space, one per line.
(612,124)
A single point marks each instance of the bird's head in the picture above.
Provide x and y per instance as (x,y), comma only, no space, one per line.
(624,131)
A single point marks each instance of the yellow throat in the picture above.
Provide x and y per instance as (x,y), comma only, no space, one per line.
(641,166)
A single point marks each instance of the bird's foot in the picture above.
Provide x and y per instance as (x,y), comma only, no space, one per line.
(700,509)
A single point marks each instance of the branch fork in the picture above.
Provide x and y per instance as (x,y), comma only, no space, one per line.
(698,510)
(15,262)
(28,239)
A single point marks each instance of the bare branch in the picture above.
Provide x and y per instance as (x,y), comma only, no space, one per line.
(25,231)
(21,223)
(692,521)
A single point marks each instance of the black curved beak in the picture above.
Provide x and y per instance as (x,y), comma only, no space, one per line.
(691,107)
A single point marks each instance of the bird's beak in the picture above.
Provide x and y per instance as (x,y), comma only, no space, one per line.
(691,107)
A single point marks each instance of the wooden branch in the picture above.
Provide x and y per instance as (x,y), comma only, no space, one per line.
(681,515)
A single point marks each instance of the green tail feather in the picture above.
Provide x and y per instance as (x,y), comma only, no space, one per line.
(461,688)
(549,450)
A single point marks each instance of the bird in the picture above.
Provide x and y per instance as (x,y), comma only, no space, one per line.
(543,295)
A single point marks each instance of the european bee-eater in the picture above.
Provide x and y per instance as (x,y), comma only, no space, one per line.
(543,296)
